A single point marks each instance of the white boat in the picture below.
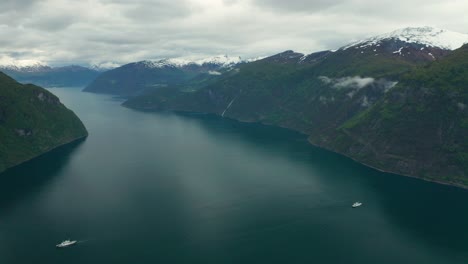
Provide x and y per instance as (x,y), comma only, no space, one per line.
(356,204)
(66,243)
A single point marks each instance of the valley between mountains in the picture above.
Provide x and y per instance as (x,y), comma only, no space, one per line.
(396,102)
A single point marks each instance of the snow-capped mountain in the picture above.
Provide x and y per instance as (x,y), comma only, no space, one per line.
(222,61)
(44,75)
(134,78)
(426,36)
(7,62)
(416,44)
(22,67)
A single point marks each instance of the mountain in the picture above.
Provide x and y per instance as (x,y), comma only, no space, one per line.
(418,128)
(32,122)
(138,77)
(384,56)
(333,97)
(421,36)
(307,79)
(43,75)
(391,54)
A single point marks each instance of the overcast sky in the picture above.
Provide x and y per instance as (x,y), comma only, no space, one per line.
(61,32)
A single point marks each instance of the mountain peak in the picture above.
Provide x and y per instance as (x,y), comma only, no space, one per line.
(220,60)
(426,36)
(9,63)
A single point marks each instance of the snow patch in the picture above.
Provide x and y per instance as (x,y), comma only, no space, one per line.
(398,51)
(303,58)
(223,61)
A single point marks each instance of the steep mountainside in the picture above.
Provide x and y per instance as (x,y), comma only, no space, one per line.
(391,54)
(135,78)
(32,122)
(281,90)
(67,76)
(295,90)
(318,97)
(419,128)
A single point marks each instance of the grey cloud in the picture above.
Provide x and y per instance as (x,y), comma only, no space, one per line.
(13,12)
(51,23)
(303,6)
(16,5)
(95,31)
(353,82)
(357,82)
(153,11)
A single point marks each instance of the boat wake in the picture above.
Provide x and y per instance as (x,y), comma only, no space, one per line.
(83,241)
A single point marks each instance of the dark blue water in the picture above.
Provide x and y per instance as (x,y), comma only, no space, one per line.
(166,188)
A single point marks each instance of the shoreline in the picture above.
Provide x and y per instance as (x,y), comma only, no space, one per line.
(45,152)
(465,187)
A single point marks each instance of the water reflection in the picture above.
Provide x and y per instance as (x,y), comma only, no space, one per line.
(432,215)
(20,182)
(166,188)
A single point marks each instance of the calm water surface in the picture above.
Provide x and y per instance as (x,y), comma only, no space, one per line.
(165,188)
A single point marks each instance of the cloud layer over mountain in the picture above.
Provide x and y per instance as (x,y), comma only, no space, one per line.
(100,31)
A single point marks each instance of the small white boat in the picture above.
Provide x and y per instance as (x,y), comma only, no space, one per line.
(66,243)
(356,204)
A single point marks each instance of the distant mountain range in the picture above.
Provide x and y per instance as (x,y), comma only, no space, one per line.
(43,75)
(396,102)
(140,77)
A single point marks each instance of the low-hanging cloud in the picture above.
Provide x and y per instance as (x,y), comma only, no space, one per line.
(357,82)
(214,73)
(348,82)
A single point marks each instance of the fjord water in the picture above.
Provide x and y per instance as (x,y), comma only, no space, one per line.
(167,188)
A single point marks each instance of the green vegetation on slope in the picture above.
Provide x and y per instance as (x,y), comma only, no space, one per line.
(32,122)
(281,91)
(136,78)
(419,128)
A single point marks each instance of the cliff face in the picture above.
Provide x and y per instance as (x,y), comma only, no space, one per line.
(32,122)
